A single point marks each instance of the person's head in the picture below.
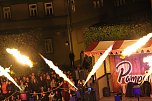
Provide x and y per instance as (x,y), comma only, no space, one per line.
(56,92)
(52,72)
(9,82)
(49,89)
(26,84)
(48,77)
(80,82)
(21,83)
(78,67)
(42,88)
(15,79)
(4,81)
(27,79)
(53,80)
(41,78)
(33,74)
(64,81)
(24,78)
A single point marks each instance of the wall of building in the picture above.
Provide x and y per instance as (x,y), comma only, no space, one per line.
(85,14)
(19,12)
(84,11)
(77,42)
(60,8)
(101,79)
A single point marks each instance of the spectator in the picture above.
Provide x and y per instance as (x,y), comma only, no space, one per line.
(81,58)
(22,87)
(10,87)
(4,90)
(51,96)
(77,76)
(57,96)
(42,82)
(53,83)
(35,86)
(48,80)
(71,57)
(65,91)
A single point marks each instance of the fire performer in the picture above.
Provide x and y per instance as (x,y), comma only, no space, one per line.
(65,91)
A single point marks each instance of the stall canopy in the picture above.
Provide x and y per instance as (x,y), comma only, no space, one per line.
(118,46)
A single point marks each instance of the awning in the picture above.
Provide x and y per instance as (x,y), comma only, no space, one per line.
(118,46)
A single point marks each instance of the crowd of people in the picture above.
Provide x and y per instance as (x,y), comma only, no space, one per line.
(48,86)
(45,86)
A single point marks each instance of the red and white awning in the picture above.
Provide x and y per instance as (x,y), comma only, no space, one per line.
(118,46)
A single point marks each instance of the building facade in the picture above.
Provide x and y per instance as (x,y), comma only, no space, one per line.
(57,25)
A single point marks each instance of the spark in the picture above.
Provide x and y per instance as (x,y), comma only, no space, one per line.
(20,58)
(58,71)
(134,47)
(5,73)
(98,63)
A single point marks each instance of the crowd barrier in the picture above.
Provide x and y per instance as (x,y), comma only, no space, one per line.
(86,96)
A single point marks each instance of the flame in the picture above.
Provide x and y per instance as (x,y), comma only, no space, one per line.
(6,69)
(58,71)
(5,73)
(134,47)
(148,59)
(98,63)
(21,58)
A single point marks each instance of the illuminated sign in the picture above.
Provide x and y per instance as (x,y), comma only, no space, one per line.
(124,68)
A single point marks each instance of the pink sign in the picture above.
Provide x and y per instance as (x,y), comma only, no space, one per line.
(130,69)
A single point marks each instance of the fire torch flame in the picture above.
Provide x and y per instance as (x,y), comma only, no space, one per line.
(5,73)
(134,47)
(58,71)
(148,59)
(20,58)
(98,63)
(6,69)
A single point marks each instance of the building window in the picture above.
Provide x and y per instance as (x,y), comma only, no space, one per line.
(73,5)
(33,10)
(7,12)
(97,3)
(48,46)
(48,8)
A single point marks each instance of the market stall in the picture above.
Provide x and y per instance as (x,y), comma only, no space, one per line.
(121,70)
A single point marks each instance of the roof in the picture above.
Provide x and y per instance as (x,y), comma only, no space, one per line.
(118,47)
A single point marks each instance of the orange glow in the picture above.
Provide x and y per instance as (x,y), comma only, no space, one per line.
(20,58)
(98,63)
(58,71)
(134,47)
